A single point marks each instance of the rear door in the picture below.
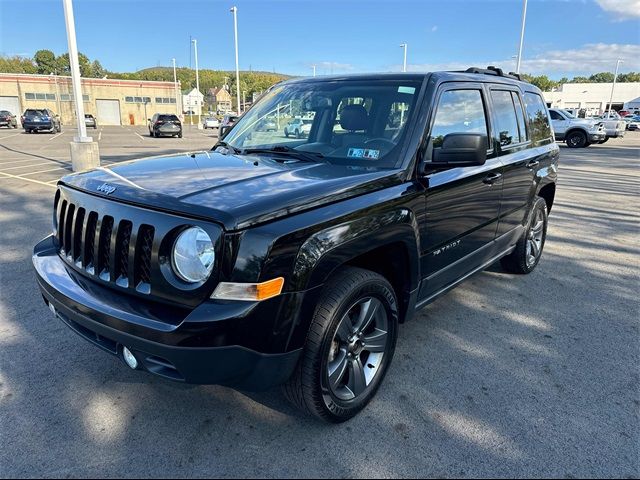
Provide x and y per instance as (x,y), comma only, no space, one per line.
(462,204)
(520,162)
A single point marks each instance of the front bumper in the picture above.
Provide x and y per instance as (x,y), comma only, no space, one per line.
(596,137)
(195,349)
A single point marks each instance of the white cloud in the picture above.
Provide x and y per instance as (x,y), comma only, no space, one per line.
(622,9)
(336,66)
(588,59)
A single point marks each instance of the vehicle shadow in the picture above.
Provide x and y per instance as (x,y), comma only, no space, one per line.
(505,375)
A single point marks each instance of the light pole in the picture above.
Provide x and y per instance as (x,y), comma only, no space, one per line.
(234,10)
(195,47)
(84,152)
(524,21)
(404,63)
(613,86)
(175,84)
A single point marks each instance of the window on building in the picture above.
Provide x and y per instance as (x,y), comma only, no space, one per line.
(128,99)
(459,111)
(30,96)
(506,120)
(41,96)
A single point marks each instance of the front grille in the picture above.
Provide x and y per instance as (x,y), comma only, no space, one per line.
(103,247)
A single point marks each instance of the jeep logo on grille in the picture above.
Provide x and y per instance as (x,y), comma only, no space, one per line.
(106,189)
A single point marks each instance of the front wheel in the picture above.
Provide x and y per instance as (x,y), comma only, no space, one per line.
(528,250)
(349,346)
(577,139)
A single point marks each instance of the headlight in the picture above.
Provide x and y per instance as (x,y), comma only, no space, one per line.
(193,255)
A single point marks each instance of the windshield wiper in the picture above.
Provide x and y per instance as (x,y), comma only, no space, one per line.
(227,146)
(287,151)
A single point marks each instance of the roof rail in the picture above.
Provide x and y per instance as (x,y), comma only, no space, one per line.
(491,70)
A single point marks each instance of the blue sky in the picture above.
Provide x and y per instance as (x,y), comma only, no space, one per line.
(562,37)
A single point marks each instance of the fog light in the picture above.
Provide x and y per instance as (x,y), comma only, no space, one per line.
(129,358)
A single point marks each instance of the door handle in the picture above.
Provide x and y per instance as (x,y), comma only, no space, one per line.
(533,164)
(491,178)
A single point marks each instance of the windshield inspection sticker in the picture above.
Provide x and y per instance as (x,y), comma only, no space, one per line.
(363,153)
(409,90)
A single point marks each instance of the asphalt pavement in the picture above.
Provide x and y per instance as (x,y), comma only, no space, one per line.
(505,376)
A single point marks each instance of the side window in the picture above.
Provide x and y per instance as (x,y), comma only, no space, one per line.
(506,121)
(520,115)
(538,119)
(556,116)
(458,111)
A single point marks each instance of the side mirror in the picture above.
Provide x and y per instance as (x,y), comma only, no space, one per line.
(223,131)
(460,150)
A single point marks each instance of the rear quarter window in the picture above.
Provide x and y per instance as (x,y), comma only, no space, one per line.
(539,128)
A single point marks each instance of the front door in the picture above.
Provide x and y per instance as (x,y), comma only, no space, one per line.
(462,204)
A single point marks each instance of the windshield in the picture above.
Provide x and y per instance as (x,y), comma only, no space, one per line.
(568,114)
(347,122)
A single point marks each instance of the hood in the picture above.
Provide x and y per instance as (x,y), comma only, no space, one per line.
(235,191)
(586,121)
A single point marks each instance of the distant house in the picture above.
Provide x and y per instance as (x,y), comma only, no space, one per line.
(220,98)
(192,101)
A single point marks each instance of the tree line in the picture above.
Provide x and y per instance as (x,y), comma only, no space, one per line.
(45,62)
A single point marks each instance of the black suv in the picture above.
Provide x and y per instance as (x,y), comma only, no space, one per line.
(274,260)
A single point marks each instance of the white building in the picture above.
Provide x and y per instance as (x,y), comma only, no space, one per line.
(594,97)
(192,100)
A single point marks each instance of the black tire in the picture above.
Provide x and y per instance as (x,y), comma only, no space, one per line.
(298,134)
(603,141)
(577,139)
(520,260)
(180,135)
(308,388)
(286,133)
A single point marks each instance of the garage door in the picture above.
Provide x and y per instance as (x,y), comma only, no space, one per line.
(12,104)
(108,112)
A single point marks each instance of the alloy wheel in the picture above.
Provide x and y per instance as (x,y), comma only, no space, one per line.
(534,238)
(357,349)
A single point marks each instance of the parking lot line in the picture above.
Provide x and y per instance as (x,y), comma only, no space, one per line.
(41,171)
(8,175)
(2,164)
(25,166)
(14,135)
(141,137)
(56,136)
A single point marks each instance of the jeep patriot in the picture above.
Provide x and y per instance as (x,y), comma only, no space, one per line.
(292,260)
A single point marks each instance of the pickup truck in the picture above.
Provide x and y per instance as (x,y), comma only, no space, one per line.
(614,126)
(576,132)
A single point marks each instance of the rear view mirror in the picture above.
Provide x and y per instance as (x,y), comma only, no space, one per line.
(460,150)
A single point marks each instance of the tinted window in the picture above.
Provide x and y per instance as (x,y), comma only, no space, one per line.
(537,115)
(34,112)
(556,115)
(459,111)
(168,118)
(520,115)
(505,114)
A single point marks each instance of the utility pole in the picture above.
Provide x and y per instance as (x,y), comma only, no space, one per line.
(613,86)
(234,10)
(524,21)
(404,64)
(175,83)
(84,151)
(195,46)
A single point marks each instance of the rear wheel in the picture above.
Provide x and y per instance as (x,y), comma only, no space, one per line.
(349,346)
(528,250)
(576,139)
